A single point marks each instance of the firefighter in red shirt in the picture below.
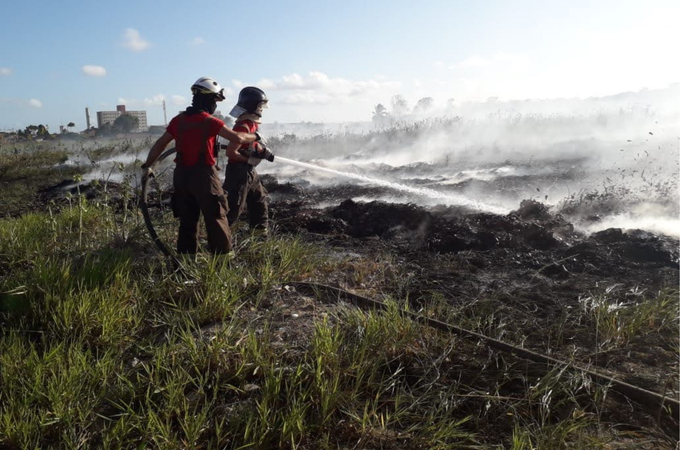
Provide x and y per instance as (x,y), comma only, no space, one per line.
(197,187)
(242,183)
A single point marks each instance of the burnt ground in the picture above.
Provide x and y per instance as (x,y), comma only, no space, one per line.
(528,278)
(531,268)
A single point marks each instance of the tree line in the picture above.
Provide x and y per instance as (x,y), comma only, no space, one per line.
(400,107)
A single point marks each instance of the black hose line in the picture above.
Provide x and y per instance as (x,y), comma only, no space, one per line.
(144,206)
(652,400)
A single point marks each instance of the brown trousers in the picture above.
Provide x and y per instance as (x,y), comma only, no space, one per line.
(198,190)
(244,189)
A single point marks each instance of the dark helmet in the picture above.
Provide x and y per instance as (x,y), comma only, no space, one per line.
(252,100)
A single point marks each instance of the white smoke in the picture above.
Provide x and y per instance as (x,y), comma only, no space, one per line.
(606,157)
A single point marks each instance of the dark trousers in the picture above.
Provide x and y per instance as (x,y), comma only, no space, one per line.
(244,189)
(198,190)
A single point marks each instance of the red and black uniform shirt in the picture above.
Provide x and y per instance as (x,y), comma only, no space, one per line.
(245,126)
(195,134)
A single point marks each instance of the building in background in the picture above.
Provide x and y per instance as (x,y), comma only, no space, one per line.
(104,117)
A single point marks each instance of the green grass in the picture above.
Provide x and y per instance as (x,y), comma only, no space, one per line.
(616,324)
(26,170)
(101,346)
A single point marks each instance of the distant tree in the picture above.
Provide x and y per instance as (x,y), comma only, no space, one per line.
(125,123)
(42,131)
(379,110)
(399,105)
(380,116)
(450,103)
(424,105)
(70,125)
(31,130)
(105,130)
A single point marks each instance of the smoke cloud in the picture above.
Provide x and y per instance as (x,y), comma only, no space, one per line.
(600,161)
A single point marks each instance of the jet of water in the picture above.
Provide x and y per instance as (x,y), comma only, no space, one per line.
(450,199)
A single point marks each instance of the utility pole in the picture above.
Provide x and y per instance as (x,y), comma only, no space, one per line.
(165,115)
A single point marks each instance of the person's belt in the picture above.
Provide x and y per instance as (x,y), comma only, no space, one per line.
(195,165)
(241,166)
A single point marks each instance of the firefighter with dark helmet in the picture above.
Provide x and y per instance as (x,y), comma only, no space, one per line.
(242,183)
(197,186)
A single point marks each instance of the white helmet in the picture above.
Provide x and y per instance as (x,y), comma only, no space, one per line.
(207,85)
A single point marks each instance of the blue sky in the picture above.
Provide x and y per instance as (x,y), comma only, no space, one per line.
(324,61)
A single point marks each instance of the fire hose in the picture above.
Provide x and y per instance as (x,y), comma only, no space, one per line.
(144,206)
(653,401)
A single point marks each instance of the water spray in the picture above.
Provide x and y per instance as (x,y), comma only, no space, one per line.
(425,192)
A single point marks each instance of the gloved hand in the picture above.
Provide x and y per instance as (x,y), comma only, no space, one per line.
(254,160)
(260,139)
(250,153)
(264,153)
(256,155)
(146,172)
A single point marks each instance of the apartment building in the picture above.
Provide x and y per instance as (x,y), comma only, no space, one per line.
(104,117)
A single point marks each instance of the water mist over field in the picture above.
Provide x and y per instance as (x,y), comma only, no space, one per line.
(606,162)
(615,167)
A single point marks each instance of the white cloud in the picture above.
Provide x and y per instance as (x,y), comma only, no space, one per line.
(134,41)
(5,71)
(265,84)
(156,100)
(306,97)
(35,103)
(94,71)
(293,81)
(317,87)
(179,100)
(198,41)
(237,83)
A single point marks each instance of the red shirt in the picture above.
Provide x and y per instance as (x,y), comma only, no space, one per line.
(195,134)
(245,126)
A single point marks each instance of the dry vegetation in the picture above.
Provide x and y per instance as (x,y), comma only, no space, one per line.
(101,346)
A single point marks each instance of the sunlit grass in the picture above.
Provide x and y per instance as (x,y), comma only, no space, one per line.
(100,348)
(616,324)
(103,346)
